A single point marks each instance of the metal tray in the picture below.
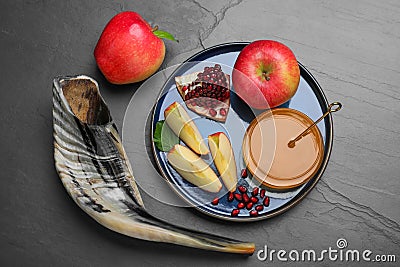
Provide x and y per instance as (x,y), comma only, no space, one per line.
(308,99)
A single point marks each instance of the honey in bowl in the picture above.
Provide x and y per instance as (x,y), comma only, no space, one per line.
(268,156)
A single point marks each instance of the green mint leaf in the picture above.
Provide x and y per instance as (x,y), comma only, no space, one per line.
(164,138)
(165,35)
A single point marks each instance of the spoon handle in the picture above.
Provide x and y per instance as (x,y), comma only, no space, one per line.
(338,105)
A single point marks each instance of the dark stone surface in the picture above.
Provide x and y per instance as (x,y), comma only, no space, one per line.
(351,47)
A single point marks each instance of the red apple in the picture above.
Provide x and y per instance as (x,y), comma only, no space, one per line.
(129,49)
(266,74)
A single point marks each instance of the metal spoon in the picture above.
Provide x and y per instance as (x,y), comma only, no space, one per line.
(292,142)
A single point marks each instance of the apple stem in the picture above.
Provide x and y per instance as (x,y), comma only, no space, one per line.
(154,28)
(265,75)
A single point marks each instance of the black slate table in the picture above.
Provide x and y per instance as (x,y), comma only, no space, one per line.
(351,47)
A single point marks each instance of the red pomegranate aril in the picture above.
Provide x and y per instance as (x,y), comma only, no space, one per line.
(230,197)
(238,197)
(253,213)
(266,201)
(215,201)
(254,200)
(259,207)
(222,111)
(212,112)
(242,189)
(255,191)
(249,205)
(240,205)
(243,173)
(245,198)
(235,212)
(262,193)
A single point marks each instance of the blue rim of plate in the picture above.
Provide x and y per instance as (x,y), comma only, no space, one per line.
(207,208)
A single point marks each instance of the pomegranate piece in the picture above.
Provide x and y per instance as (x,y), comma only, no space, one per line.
(253,213)
(230,197)
(255,191)
(259,207)
(254,200)
(238,197)
(242,189)
(213,113)
(215,201)
(262,193)
(245,198)
(235,212)
(266,201)
(249,205)
(207,93)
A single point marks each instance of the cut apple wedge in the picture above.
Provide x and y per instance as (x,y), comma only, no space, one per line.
(224,160)
(183,126)
(193,169)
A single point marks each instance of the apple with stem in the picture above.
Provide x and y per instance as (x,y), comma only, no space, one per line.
(130,50)
(266,74)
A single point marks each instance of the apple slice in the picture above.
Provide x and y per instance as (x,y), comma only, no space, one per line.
(183,126)
(207,93)
(193,168)
(224,160)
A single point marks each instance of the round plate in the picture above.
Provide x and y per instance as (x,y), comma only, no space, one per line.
(308,99)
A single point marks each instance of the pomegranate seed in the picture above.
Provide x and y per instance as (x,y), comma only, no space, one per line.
(212,112)
(240,205)
(230,197)
(262,193)
(266,201)
(249,205)
(253,213)
(259,208)
(215,201)
(255,191)
(245,198)
(243,173)
(238,197)
(254,199)
(217,67)
(235,212)
(222,111)
(184,88)
(242,189)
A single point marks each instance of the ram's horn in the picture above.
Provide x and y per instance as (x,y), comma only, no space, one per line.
(95,170)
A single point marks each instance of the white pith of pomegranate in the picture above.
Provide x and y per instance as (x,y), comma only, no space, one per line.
(207,93)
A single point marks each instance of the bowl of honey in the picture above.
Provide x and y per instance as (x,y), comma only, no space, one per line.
(270,157)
